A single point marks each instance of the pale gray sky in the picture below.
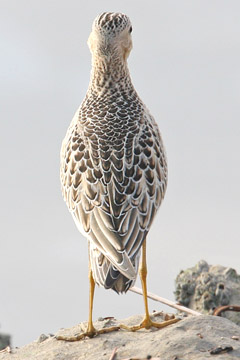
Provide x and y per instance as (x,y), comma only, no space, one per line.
(185,66)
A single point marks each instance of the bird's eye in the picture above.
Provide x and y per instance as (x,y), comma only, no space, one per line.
(130,30)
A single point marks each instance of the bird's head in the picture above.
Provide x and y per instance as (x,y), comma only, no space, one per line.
(111,34)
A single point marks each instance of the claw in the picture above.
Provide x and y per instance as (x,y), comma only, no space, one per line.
(89,333)
(147,323)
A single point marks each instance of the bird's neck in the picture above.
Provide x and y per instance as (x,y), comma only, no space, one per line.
(109,73)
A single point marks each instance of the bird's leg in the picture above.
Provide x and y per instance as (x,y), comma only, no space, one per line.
(147,323)
(91,331)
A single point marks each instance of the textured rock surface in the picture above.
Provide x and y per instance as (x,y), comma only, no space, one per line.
(5,340)
(191,338)
(205,287)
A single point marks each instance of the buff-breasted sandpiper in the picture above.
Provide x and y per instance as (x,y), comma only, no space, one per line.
(113,166)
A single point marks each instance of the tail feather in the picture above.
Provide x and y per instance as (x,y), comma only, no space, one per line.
(107,275)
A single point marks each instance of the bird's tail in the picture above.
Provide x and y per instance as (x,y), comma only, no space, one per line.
(107,275)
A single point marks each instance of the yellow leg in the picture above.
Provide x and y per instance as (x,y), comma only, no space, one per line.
(143,276)
(147,323)
(90,328)
(91,331)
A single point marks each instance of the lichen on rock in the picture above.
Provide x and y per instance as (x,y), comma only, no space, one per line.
(205,287)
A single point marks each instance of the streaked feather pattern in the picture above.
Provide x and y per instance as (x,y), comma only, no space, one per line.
(113,174)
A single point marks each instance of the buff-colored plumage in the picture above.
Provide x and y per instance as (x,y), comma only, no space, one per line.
(113,164)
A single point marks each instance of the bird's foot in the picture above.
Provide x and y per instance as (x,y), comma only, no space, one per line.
(92,332)
(147,323)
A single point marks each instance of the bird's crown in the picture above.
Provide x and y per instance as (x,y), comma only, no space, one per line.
(111,23)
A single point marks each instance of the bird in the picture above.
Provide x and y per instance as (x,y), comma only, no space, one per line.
(113,168)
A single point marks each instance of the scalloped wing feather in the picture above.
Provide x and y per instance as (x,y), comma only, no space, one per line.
(113,188)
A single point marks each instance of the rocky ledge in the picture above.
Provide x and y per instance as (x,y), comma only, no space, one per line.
(193,338)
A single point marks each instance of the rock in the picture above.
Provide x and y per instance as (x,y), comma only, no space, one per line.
(204,288)
(5,341)
(191,338)
(42,338)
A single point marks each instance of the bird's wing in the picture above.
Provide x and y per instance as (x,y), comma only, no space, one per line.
(114,193)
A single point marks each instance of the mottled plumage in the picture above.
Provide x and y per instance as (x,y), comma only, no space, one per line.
(113,164)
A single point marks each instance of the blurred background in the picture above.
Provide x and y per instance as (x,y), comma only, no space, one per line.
(185,67)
